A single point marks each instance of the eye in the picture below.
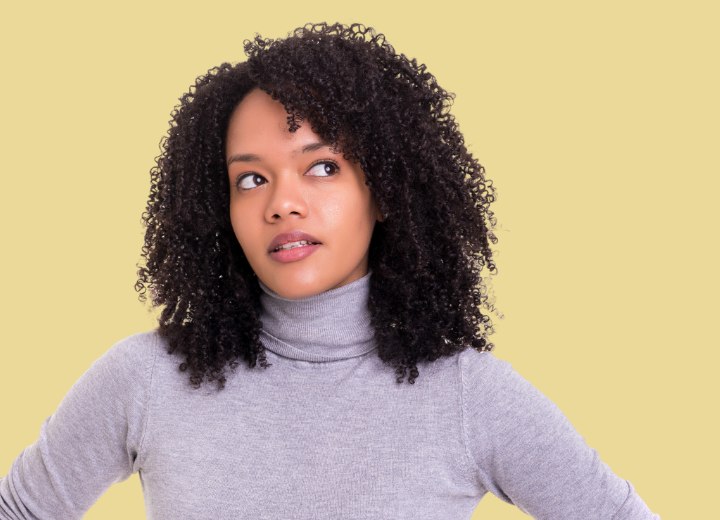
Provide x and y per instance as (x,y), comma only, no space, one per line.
(324,169)
(249,181)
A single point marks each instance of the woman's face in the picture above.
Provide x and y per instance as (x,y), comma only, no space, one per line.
(283,182)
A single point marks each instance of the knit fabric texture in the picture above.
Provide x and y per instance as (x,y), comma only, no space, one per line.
(323,433)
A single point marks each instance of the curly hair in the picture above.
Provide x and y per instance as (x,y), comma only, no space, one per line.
(379,108)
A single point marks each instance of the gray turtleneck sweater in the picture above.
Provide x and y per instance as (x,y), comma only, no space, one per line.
(324,433)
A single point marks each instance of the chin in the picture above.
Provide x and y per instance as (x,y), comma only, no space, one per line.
(295,288)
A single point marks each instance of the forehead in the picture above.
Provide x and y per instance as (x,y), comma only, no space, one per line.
(260,121)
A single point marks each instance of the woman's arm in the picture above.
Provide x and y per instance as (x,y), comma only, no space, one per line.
(90,442)
(527,453)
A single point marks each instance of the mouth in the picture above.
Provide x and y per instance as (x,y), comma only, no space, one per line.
(291,240)
(294,251)
(293,245)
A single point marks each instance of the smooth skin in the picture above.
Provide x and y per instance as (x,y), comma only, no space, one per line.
(282,181)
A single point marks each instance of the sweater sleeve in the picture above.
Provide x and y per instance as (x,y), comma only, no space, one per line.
(91,441)
(527,453)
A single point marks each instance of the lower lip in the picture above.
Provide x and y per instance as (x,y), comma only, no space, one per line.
(294,254)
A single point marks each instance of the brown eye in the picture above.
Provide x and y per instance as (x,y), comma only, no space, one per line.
(323,169)
(249,181)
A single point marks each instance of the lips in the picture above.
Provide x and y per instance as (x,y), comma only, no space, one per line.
(293,236)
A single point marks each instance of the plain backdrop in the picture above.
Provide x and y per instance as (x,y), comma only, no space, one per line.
(598,123)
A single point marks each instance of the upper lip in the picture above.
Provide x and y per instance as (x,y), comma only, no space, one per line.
(293,236)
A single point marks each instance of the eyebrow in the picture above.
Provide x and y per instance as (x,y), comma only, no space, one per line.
(251,157)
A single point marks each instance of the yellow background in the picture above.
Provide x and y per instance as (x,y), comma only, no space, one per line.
(597,122)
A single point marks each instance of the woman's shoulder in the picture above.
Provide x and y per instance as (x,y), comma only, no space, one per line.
(137,346)
(478,374)
(131,357)
(491,382)
(483,367)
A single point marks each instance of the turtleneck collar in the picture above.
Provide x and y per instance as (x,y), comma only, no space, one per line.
(329,326)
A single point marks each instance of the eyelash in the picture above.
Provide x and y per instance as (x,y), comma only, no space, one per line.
(313,165)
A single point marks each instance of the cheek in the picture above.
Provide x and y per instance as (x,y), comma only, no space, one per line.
(350,214)
(353,218)
(243,232)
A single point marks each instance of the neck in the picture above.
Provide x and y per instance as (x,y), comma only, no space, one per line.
(329,326)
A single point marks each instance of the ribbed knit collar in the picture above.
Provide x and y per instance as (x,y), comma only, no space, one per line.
(328,326)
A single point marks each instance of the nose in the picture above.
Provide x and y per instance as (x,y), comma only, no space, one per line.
(286,199)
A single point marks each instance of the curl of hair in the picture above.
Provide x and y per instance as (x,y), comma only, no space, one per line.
(381,109)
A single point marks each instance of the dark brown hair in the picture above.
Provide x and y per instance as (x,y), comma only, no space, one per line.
(380,108)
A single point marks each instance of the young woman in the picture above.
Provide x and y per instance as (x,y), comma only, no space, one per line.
(316,232)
